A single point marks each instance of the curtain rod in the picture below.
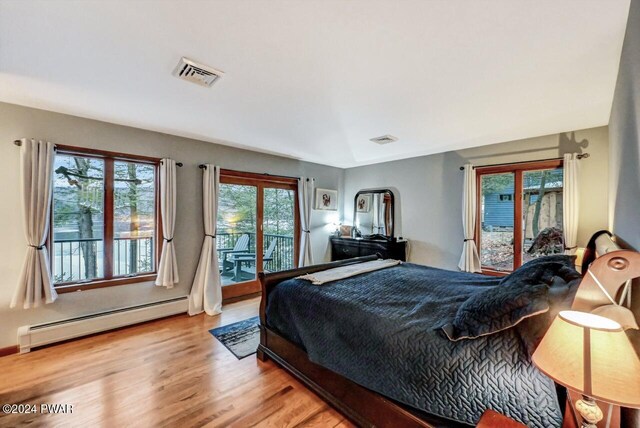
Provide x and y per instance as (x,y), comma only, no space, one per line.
(203,166)
(19,143)
(180,164)
(580,156)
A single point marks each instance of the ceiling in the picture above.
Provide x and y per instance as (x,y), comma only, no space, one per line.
(316,79)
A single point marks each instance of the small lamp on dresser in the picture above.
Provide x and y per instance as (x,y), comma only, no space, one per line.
(592,355)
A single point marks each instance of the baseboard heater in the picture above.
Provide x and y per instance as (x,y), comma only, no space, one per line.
(33,336)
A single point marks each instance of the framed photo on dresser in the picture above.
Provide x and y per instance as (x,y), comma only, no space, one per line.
(345,231)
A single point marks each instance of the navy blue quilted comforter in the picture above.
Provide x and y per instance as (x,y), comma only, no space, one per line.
(379,330)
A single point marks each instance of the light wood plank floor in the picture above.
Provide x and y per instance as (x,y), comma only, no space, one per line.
(166,373)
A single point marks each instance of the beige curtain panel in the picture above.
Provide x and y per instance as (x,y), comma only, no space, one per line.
(168,266)
(570,203)
(469,260)
(206,291)
(305,199)
(36,181)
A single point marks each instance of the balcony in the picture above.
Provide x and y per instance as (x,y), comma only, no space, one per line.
(281,258)
(77,260)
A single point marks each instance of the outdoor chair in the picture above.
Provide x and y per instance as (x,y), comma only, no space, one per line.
(242,246)
(239,259)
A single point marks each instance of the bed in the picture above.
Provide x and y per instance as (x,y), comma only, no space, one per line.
(382,358)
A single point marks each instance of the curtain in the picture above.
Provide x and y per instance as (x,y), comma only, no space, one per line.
(469,260)
(168,266)
(570,203)
(36,181)
(206,291)
(305,199)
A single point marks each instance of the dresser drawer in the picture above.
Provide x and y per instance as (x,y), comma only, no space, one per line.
(341,252)
(346,248)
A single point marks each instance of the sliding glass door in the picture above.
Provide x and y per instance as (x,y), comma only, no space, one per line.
(497,218)
(279,229)
(236,237)
(255,211)
(519,214)
(542,213)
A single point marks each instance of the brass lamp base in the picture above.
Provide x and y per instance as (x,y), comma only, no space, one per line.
(590,412)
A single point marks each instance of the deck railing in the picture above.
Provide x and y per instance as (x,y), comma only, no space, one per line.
(283,253)
(136,255)
(130,256)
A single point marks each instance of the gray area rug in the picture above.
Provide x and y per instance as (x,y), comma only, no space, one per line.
(241,338)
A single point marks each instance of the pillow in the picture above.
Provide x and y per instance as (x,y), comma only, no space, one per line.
(560,296)
(542,284)
(542,269)
(568,261)
(497,309)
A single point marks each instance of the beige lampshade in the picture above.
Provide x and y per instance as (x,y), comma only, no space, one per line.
(592,355)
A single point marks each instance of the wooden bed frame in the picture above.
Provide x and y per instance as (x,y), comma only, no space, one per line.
(367,408)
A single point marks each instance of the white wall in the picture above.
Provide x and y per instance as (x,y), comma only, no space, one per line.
(428,190)
(17,122)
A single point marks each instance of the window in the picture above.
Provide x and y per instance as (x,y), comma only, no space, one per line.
(104,217)
(520,214)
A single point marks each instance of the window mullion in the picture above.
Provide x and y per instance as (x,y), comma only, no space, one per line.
(260,228)
(517,223)
(108,217)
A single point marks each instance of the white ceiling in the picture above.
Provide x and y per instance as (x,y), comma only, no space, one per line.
(315,80)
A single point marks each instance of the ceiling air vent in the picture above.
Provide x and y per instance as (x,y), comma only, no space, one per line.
(385,139)
(196,73)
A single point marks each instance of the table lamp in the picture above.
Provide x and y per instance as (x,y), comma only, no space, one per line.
(592,355)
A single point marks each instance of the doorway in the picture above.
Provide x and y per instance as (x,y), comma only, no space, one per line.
(257,229)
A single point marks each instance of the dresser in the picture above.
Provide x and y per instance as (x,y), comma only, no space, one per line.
(346,248)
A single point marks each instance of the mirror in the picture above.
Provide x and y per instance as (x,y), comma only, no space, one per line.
(373,213)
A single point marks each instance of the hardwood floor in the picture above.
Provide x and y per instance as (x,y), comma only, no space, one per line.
(166,373)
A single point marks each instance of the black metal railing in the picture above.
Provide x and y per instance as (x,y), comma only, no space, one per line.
(229,240)
(283,253)
(133,255)
(82,259)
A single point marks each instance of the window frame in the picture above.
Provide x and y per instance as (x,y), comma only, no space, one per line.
(517,169)
(109,279)
(260,181)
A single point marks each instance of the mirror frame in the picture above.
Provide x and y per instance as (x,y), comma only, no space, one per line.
(393,208)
